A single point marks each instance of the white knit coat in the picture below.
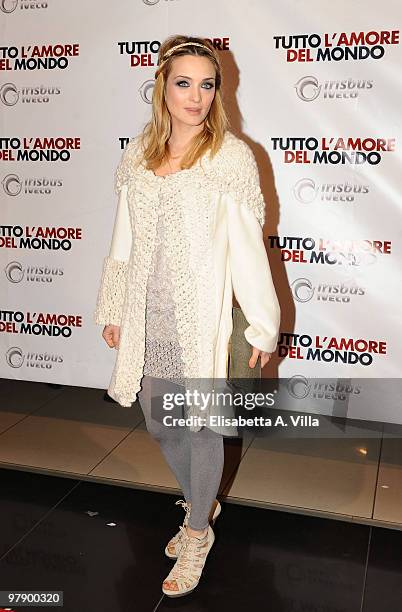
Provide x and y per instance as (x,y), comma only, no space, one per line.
(214,213)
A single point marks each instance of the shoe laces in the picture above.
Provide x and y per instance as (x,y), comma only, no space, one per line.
(182,502)
(192,555)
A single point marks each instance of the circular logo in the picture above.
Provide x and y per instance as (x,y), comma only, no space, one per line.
(305,191)
(298,386)
(14,357)
(302,289)
(302,90)
(146,91)
(8,6)
(11,184)
(9,94)
(14,272)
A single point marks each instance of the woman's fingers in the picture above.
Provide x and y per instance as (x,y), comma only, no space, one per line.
(111,335)
(265,357)
(254,357)
(107,336)
(116,336)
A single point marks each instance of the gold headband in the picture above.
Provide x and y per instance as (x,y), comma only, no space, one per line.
(170,51)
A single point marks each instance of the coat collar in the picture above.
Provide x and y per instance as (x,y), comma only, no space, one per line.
(195,171)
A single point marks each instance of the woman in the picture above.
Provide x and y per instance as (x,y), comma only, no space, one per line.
(187,232)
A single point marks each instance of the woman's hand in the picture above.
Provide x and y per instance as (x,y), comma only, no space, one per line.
(111,334)
(265,357)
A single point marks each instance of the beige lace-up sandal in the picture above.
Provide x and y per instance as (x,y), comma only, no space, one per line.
(174,545)
(186,572)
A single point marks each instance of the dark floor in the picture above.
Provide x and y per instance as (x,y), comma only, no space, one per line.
(102,545)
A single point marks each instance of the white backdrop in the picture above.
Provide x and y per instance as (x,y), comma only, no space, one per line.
(314,87)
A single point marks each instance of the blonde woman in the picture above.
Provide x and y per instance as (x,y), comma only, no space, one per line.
(187,232)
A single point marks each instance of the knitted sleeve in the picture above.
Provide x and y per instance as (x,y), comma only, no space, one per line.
(127,164)
(250,270)
(243,180)
(111,293)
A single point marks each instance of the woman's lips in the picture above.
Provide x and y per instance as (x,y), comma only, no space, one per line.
(193,110)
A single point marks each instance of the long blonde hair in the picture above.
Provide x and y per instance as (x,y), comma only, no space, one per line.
(157,131)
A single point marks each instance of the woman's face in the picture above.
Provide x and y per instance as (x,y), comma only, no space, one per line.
(190,85)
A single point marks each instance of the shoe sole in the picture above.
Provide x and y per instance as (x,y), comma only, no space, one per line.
(174,593)
(170,556)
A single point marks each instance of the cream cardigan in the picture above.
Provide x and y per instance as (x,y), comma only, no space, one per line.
(214,215)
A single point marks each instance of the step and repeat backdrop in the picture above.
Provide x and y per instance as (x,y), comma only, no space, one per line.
(313,87)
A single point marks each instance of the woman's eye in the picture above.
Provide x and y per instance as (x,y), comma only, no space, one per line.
(209,85)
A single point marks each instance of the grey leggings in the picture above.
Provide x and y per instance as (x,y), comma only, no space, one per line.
(196,458)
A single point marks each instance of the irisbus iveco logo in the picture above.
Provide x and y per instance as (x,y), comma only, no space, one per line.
(299,387)
(16,358)
(13,185)
(303,290)
(16,272)
(146,90)
(306,190)
(9,6)
(28,94)
(308,88)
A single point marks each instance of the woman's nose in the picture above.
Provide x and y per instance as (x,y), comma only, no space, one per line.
(195,95)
